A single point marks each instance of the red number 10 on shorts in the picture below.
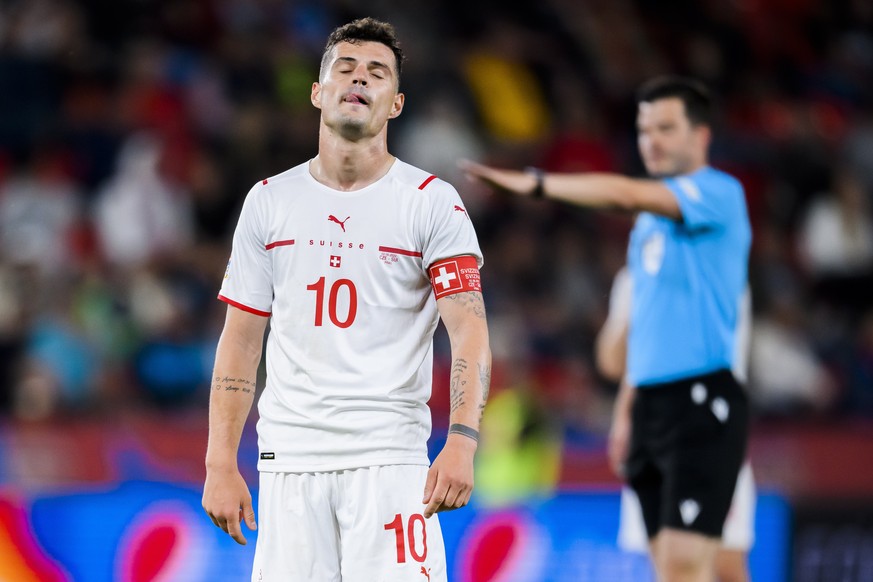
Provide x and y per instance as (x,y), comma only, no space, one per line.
(397,526)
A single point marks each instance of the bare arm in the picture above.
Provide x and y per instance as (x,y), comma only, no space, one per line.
(610,352)
(450,479)
(621,429)
(610,349)
(226,497)
(594,190)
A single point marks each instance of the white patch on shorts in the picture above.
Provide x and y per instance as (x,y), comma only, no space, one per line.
(699,393)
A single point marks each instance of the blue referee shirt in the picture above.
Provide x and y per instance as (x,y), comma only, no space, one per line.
(688,280)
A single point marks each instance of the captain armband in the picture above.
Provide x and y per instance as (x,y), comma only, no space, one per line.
(455,275)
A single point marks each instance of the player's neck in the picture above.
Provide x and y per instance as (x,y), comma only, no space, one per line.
(345,165)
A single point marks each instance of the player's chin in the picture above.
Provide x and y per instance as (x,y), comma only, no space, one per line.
(354,126)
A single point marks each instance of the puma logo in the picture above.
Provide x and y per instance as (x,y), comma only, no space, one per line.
(459,209)
(426,573)
(342,223)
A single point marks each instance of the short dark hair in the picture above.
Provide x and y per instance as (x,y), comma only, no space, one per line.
(693,94)
(365,30)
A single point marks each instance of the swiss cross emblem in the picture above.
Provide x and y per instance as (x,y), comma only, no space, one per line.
(446,278)
(335,261)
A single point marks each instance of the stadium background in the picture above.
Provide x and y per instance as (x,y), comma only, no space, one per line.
(131,129)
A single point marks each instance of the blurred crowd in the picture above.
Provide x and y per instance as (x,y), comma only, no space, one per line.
(130,131)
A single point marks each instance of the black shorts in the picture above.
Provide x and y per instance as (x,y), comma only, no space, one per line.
(687,446)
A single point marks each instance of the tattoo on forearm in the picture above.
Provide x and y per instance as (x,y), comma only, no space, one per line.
(459,368)
(228,384)
(485,379)
(472,300)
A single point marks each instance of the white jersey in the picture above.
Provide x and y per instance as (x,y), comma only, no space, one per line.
(343,276)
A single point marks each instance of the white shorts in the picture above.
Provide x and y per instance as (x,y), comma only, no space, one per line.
(358,525)
(739,527)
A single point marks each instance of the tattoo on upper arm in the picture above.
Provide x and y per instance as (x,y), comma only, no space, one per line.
(471,300)
(459,368)
(228,384)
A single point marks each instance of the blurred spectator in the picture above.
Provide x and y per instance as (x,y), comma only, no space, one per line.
(173,362)
(140,214)
(519,458)
(509,98)
(836,243)
(435,135)
(836,236)
(61,366)
(786,377)
(39,207)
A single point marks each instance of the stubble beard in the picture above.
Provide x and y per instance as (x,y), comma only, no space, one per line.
(351,128)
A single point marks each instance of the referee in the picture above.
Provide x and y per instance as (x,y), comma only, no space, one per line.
(688,258)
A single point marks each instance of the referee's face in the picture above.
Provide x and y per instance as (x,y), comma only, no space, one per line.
(668,142)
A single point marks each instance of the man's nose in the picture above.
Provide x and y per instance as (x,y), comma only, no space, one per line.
(360,76)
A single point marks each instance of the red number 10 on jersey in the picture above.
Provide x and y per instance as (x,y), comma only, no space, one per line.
(333,294)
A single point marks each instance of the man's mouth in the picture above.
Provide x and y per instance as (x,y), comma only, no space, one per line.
(356,98)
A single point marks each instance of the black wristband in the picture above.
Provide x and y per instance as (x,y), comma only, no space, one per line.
(465,430)
(540,175)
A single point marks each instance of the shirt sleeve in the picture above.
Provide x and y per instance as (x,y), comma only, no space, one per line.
(706,200)
(449,231)
(248,281)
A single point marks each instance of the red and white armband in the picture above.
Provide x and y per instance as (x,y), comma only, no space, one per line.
(455,275)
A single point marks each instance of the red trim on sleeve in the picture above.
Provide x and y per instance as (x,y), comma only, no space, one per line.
(426,182)
(400,251)
(455,275)
(243,307)
(279,243)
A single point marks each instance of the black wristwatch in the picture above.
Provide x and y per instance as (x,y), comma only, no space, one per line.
(540,175)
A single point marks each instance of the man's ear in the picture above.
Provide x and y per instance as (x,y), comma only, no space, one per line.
(704,135)
(315,96)
(397,106)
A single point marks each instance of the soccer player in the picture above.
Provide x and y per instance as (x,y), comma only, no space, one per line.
(688,258)
(352,257)
(731,561)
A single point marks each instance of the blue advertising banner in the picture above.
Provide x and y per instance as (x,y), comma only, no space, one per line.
(145,531)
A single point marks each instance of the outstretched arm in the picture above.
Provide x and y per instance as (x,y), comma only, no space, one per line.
(593,190)
(450,479)
(226,498)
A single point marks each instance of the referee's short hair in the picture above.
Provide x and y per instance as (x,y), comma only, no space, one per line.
(693,93)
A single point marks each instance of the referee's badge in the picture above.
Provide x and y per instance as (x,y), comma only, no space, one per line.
(689,509)
(653,253)
(721,409)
